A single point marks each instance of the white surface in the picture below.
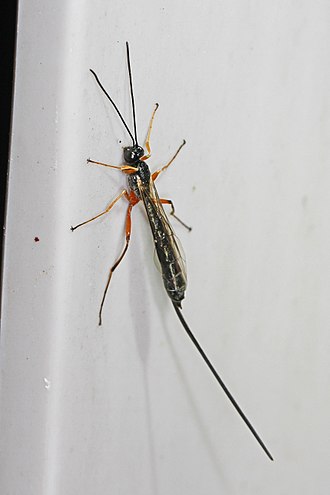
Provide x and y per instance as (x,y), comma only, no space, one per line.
(130,408)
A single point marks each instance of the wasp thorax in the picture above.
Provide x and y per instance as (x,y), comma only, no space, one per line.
(133,153)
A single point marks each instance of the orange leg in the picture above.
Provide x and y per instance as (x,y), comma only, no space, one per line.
(123,193)
(112,269)
(147,143)
(155,174)
(172,212)
(127,169)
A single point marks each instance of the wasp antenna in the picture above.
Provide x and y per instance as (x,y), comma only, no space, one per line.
(113,103)
(132,94)
(220,381)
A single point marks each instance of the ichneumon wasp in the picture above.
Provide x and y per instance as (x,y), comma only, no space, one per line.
(141,187)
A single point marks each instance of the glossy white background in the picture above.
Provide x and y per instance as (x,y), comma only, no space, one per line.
(130,407)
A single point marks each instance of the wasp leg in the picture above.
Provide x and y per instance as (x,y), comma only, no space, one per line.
(128,169)
(155,174)
(147,143)
(123,193)
(172,212)
(112,269)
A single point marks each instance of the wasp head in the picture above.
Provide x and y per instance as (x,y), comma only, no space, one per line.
(132,154)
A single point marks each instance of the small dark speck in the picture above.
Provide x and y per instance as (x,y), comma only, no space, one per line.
(36,239)
(194,188)
(119,141)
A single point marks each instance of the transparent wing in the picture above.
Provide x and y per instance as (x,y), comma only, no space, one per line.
(166,243)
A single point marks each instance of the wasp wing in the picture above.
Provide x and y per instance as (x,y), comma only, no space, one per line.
(166,244)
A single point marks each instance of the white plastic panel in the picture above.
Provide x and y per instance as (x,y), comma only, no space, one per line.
(130,407)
